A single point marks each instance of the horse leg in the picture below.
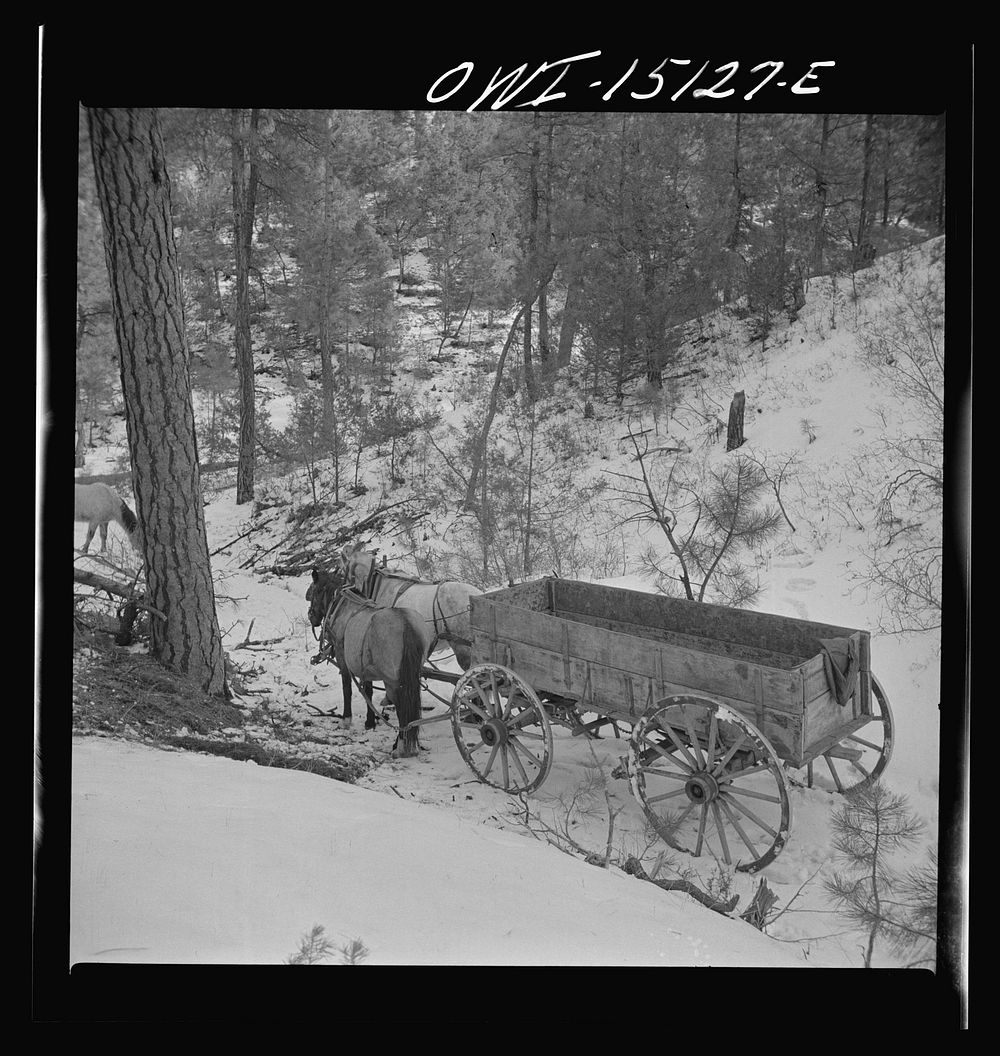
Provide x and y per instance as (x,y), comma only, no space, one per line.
(345,682)
(91,528)
(371,718)
(104,537)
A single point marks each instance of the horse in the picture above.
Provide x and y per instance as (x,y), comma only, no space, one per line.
(98,505)
(444,604)
(370,642)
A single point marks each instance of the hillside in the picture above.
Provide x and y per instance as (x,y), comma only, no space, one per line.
(825,417)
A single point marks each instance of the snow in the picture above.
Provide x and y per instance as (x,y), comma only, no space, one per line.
(185,858)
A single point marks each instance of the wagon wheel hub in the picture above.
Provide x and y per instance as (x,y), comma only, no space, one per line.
(701,788)
(494,732)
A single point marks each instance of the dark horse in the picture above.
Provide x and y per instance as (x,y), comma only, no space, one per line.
(370,643)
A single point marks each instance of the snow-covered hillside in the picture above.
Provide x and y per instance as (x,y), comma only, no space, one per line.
(182,858)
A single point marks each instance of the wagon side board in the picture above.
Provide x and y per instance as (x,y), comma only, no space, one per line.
(621,660)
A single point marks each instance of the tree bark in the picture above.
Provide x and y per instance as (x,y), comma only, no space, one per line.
(134,193)
(478,456)
(81,328)
(244,152)
(570,317)
(735,437)
(864,252)
(822,193)
(331,437)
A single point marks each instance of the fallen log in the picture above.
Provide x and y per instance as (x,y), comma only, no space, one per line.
(633,867)
(112,586)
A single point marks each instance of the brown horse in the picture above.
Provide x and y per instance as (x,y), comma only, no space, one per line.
(443,605)
(369,643)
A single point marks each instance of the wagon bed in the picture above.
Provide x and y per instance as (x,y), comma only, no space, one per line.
(616,652)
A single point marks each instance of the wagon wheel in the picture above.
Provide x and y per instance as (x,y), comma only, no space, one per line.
(710,782)
(501,728)
(861,757)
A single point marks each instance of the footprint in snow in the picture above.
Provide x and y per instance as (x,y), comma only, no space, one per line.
(800,583)
(794,561)
(800,610)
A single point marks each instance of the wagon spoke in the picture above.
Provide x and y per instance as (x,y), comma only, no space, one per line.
(682,817)
(514,742)
(668,730)
(696,747)
(734,748)
(833,771)
(702,820)
(494,693)
(737,790)
(509,704)
(857,766)
(671,756)
(475,709)
(528,717)
(713,732)
(860,740)
(720,828)
(665,795)
(757,768)
(662,773)
(528,735)
(505,767)
(734,821)
(489,763)
(746,812)
(517,763)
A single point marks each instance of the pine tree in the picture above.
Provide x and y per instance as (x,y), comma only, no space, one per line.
(134,191)
(874,824)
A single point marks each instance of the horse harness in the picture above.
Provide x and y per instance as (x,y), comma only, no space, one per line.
(441,630)
(326,649)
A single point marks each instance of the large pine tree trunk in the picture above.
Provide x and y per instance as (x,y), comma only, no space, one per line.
(81,328)
(864,251)
(570,318)
(822,194)
(544,250)
(134,194)
(244,150)
(327,380)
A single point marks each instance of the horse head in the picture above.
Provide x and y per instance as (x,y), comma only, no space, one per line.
(356,564)
(321,593)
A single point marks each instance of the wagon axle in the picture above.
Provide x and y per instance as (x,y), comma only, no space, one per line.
(702,788)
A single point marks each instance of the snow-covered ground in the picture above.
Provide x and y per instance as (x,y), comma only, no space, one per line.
(183,858)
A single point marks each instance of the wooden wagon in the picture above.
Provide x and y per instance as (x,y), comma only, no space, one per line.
(720,703)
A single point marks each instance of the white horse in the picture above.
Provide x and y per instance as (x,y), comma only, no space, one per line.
(443,605)
(97,504)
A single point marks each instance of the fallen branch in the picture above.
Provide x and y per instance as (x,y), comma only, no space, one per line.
(119,590)
(634,867)
(249,531)
(302,561)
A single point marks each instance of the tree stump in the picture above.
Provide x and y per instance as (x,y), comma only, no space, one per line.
(734,437)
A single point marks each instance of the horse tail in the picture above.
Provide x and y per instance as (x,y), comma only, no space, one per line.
(408,695)
(129,522)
